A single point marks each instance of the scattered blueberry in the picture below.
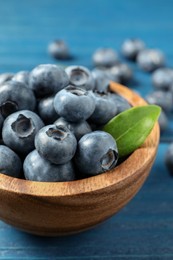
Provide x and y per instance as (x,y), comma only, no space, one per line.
(162,78)
(15,96)
(78,129)
(169,159)
(164,99)
(19,130)
(105,57)
(163,121)
(46,110)
(131,48)
(74,104)
(80,76)
(58,49)
(47,79)
(105,109)
(36,168)
(56,143)
(150,59)
(10,163)
(96,153)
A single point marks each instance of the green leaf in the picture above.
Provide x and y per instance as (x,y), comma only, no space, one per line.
(131,127)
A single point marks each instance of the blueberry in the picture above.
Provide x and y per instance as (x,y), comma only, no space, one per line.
(10,163)
(169,159)
(120,103)
(80,76)
(102,79)
(105,57)
(4,77)
(74,104)
(96,153)
(36,168)
(161,98)
(121,73)
(163,121)
(47,79)
(15,96)
(78,129)
(19,130)
(150,59)
(162,78)
(46,110)
(56,144)
(58,49)
(22,76)
(105,109)
(131,48)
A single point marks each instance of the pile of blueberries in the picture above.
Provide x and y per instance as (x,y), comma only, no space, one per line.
(108,67)
(51,120)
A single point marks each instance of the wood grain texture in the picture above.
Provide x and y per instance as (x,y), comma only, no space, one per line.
(63,208)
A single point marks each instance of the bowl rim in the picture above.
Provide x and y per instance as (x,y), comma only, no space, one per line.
(122,172)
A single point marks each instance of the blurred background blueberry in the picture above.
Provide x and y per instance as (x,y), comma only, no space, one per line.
(58,49)
(105,57)
(162,78)
(131,47)
(150,59)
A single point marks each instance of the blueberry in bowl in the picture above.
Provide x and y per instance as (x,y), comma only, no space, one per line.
(61,208)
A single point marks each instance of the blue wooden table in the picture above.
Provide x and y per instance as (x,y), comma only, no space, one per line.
(144,228)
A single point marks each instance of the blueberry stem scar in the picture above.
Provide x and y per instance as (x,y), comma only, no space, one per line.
(57,134)
(109,159)
(76,91)
(23,126)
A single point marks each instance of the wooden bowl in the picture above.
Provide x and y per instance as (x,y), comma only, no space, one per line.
(63,208)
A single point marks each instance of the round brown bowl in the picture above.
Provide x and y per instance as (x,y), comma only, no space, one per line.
(63,208)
